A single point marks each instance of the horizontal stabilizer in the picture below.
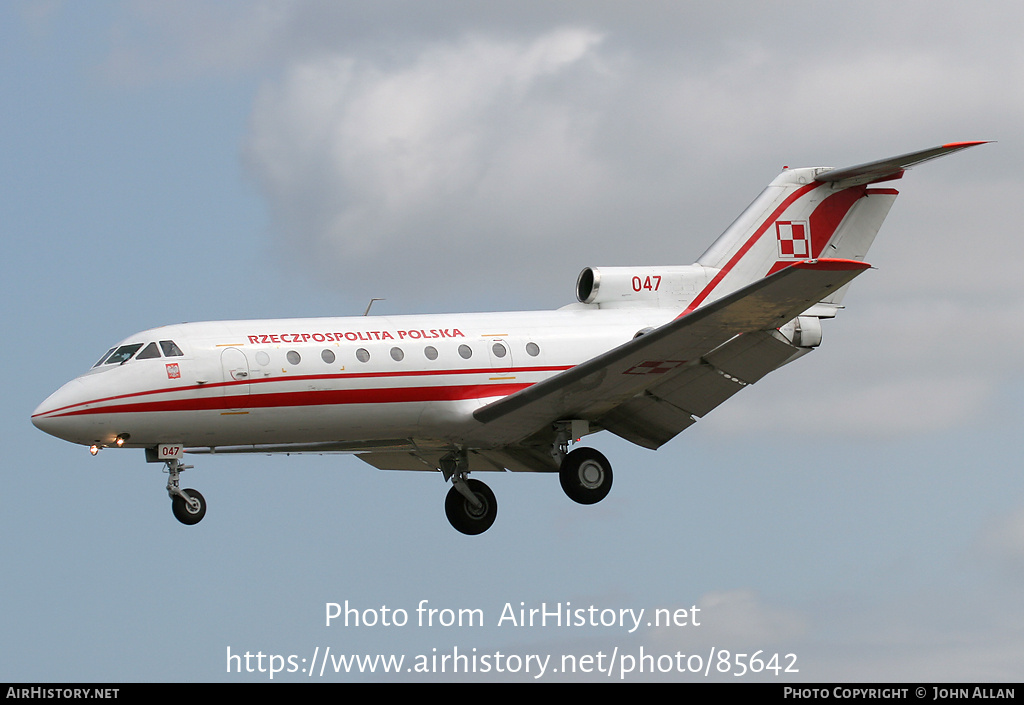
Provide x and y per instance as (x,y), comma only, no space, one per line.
(891,168)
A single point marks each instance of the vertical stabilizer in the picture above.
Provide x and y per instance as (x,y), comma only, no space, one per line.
(794,219)
(808,213)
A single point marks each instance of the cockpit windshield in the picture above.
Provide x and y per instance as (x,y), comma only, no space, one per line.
(122,354)
(105,356)
(150,351)
(170,349)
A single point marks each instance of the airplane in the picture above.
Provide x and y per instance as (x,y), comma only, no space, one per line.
(643,353)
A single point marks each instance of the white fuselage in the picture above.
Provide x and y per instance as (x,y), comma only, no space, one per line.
(342,382)
(498,391)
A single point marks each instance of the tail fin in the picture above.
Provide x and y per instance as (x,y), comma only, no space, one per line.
(808,213)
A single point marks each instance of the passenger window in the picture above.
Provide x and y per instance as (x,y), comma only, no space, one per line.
(363,355)
(293,357)
(123,354)
(532,349)
(327,355)
(397,355)
(465,352)
(499,350)
(148,353)
(170,349)
(431,352)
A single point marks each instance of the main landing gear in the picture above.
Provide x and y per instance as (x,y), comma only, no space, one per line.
(585,475)
(188,506)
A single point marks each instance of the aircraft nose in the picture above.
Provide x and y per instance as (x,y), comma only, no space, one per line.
(49,416)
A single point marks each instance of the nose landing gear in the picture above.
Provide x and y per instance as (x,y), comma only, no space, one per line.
(188,506)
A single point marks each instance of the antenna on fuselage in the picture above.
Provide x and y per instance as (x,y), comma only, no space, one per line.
(367,311)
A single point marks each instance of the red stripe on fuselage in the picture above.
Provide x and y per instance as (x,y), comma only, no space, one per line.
(325,397)
(67,410)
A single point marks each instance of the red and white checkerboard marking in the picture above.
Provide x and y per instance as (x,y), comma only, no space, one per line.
(794,239)
(654,367)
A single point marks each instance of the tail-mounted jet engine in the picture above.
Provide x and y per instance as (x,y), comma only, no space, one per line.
(613,287)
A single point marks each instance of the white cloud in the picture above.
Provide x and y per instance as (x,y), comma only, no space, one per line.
(469,153)
(473,159)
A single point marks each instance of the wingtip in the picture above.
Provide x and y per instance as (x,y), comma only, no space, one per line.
(962,145)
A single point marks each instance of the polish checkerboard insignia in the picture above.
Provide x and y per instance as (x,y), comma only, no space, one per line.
(794,239)
(654,367)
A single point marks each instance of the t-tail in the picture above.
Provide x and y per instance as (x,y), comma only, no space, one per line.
(808,213)
(812,213)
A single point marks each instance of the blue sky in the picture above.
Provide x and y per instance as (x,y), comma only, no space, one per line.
(862,508)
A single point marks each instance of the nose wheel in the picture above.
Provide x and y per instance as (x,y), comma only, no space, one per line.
(188,506)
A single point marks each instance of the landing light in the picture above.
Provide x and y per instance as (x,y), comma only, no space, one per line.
(94,449)
(121,438)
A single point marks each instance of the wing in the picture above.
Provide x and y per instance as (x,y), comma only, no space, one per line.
(649,389)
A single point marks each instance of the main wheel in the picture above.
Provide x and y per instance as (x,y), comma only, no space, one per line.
(464,516)
(586,476)
(185,512)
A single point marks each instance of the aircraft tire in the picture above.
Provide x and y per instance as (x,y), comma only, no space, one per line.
(586,476)
(184,512)
(463,516)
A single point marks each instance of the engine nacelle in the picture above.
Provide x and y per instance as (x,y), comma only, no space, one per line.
(611,287)
(803,331)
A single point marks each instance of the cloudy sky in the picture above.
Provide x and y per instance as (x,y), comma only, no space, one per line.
(862,509)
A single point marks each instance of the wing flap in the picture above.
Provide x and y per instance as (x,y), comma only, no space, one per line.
(647,421)
(668,408)
(520,459)
(407,460)
(725,370)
